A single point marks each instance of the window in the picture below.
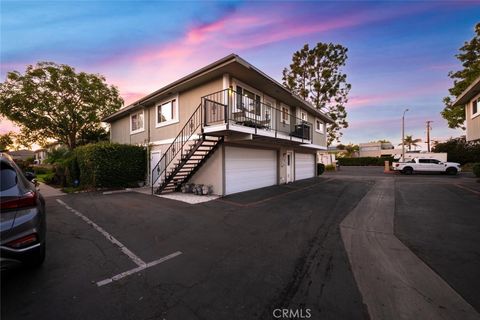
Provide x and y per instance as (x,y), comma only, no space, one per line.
(285,116)
(303,116)
(167,113)
(475,107)
(136,122)
(423,161)
(248,101)
(434,161)
(319,126)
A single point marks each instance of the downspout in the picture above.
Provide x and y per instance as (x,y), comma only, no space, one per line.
(149,155)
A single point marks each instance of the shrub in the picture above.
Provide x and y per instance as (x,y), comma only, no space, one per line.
(72,171)
(320,168)
(476,169)
(459,150)
(330,167)
(57,155)
(107,164)
(364,161)
(23,165)
(42,169)
(48,178)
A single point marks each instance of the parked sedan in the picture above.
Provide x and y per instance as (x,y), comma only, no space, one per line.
(22,212)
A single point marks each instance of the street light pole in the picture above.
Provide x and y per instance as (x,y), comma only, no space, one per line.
(428,134)
(403,135)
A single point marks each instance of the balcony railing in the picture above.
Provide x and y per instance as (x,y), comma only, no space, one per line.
(230,107)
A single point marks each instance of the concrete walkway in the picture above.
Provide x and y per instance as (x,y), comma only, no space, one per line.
(48,191)
(394,282)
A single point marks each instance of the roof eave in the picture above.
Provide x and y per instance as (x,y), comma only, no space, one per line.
(468,94)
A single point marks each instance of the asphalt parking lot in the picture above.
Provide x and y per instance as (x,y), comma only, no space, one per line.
(238,257)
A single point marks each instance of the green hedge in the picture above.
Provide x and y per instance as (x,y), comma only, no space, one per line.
(320,168)
(43,169)
(107,164)
(364,161)
(476,169)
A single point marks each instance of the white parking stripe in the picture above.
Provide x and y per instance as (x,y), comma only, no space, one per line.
(132,271)
(139,262)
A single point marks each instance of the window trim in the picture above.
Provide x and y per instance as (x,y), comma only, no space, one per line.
(322,130)
(143,122)
(282,120)
(301,113)
(169,122)
(474,115)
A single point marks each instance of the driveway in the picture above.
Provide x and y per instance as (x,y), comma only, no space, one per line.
(133,256)
(241,257)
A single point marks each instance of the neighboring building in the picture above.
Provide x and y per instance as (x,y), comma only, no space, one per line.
(386,149)
(21,154)
(470,98)
(378,149)
(227,125)
(42,154)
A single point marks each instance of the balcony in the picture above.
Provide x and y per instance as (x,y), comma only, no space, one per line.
(229,110)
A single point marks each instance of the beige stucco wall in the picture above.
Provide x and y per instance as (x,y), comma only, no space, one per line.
(120,132)
(318,138)
(211,173)
(473,125)
(188,101)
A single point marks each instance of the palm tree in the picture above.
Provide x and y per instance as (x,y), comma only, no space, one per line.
(351,150)
(409,142)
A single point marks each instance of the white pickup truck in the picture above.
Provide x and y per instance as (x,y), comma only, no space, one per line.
(427,165)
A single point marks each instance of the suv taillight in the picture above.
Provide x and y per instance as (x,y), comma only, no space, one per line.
(23,241)
(29,199)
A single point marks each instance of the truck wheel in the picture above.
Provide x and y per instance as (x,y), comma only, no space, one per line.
(452,171)
(408,170)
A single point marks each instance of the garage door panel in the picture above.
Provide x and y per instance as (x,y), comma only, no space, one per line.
(304,166)
(248,169)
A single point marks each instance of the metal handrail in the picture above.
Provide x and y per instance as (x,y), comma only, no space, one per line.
(177,146)
(252,113)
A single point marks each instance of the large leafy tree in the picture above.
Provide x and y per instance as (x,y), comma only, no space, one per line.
(6,141)
(51,101)
(469,56)
(316,75)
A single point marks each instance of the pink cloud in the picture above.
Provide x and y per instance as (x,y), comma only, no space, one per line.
(402,93)
(153,66)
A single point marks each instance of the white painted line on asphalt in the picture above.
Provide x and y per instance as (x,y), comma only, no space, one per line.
(138,269)
(117,191)
(139,262)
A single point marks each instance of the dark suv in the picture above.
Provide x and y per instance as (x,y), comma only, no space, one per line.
(22,212)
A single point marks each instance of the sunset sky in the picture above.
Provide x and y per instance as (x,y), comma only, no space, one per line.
(399,52)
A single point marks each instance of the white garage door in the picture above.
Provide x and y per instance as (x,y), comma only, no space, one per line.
(248,169)
(304,166)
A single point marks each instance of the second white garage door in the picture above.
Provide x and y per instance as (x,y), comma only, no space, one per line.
(247,169)
(304,166)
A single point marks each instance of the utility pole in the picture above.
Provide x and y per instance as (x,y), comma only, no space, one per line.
(428,134)
(403,135)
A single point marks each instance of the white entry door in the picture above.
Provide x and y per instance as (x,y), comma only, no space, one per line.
(304,166)
(289,164)
(154,158)
(248,169)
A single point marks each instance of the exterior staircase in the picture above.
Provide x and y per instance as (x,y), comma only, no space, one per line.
(185,167)
(187,153)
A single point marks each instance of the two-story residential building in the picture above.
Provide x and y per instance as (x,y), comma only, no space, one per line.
(228,125)
(470,98)
(378,149)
